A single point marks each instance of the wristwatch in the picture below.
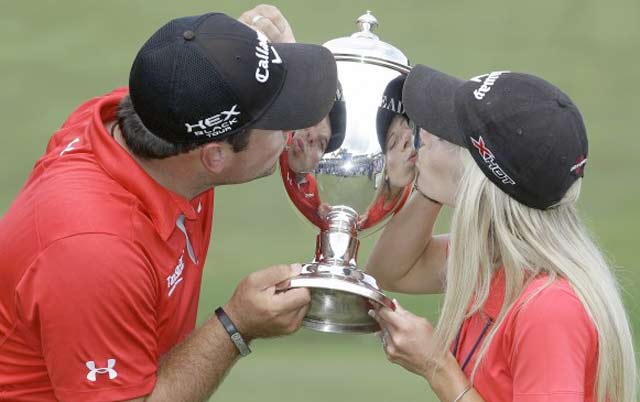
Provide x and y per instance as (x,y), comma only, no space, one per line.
(231,329)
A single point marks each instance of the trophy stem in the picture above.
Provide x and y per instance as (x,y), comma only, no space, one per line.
(341,294)
(338,244)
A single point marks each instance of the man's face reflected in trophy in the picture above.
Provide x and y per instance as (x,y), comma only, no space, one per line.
(307,147)
(348,174)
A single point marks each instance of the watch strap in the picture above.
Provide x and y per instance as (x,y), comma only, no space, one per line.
(233,332)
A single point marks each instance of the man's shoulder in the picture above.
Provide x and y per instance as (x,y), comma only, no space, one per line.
(80,197)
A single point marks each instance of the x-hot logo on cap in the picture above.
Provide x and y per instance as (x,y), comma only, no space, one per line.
(484,151)
(490,160)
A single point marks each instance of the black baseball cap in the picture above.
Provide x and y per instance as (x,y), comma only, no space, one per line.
(391,106)
(337,121)
(525,134)
(206,77)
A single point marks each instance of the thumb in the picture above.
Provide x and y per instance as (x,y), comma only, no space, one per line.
(398,308)
(276,274)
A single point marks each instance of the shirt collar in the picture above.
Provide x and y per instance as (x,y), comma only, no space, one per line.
(164,206)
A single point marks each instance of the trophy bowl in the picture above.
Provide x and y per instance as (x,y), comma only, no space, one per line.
(365,175)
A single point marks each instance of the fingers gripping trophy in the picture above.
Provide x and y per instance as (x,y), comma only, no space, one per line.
(359,182)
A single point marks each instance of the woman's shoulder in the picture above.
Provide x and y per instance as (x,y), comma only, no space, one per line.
(552,303)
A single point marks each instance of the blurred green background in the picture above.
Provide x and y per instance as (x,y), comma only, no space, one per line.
(56,54)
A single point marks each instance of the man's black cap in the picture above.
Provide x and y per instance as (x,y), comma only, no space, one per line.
(525,134)
(337,121)
(206,77)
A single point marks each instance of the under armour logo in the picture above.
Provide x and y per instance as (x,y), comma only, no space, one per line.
(91,365)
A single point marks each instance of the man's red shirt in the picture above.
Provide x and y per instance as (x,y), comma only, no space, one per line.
(303,193)
(100,269)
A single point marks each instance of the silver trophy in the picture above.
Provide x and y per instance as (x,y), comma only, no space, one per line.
(356,187)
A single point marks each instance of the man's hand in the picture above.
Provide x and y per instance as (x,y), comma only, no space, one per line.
(270,21)
(260,309)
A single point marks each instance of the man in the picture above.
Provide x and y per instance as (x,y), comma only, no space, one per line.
(302,155)
(103,249)
(305,147)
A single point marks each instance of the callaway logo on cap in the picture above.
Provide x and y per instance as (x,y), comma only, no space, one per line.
(525,134)
(206,77)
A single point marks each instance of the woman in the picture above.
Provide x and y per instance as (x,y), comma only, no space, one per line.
(531,310)
(396,176)
(397,137)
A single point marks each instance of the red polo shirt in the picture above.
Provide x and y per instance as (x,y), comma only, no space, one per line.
(100,269)
(303,194)
(546,349)
(381,207)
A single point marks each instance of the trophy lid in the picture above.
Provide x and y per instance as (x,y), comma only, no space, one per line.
(366,44)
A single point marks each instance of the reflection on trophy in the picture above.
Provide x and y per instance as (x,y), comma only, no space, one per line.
(364,176)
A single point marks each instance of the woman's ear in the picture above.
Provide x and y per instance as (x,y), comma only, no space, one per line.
(212,156)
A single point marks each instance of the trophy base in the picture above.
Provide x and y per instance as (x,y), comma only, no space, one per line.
(341,298)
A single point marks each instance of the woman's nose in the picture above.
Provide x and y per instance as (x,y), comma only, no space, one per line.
(424,137)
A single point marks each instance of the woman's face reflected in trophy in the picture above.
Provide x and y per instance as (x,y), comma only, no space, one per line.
(348,174)
(401,154)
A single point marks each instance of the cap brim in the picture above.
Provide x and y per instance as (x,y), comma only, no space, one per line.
(309,89)
(428,98)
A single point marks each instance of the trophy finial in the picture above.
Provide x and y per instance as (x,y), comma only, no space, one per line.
(367,23)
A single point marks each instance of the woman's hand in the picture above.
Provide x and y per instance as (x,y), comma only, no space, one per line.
(439,168)
(408,340)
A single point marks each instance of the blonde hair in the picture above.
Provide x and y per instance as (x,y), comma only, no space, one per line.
(491,229)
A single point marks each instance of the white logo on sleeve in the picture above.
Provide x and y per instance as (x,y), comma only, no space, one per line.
(174,279)
(70,146)
(490,79)
(93,370)
(262,53)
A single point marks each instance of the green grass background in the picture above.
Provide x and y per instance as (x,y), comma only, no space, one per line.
(56,54)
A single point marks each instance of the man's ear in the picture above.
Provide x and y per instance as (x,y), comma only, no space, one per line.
(213,157)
